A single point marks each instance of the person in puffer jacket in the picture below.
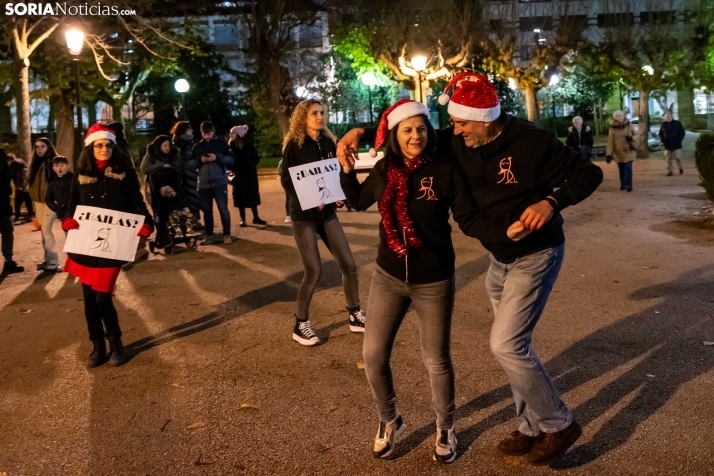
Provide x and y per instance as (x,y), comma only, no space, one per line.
(182,137)
(212,156)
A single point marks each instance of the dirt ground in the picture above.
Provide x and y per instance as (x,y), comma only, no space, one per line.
(216,385)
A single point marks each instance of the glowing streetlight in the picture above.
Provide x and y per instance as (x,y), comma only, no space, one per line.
(181,86)
(419,65)
(75,42)
(369,80)
(554,80)
(648,69)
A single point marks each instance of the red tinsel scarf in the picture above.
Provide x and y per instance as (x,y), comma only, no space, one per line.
(396,221)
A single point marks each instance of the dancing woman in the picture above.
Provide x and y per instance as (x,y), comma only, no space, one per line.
(309,140)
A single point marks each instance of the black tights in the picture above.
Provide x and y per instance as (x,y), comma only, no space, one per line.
(241,210)
(98,309)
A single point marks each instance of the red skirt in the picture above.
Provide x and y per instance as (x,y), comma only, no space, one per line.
(101,279)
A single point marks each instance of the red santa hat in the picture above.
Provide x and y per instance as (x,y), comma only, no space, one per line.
(396,113)
(98,131)
(474,98)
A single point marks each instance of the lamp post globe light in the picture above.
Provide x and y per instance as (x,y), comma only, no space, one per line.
(419,64)
(552,83)
(182,86)
(75,42)
(369,80)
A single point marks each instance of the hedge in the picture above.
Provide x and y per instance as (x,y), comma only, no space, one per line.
(704,158)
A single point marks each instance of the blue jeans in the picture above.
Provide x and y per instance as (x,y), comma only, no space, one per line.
(389,301)
(518,293)
(220,195)
(625,175)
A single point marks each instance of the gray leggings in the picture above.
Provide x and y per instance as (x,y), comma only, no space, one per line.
(389,301)
(305,234)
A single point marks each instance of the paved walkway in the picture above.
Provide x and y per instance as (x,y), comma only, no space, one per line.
(217,386)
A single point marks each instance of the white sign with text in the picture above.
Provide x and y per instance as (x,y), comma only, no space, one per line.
(317,182)
(104,233)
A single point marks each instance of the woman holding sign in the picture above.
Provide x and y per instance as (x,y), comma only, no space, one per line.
(104,179)
(309,140)
(415,262)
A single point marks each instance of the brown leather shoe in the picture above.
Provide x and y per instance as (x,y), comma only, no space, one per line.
(517,444)
(550,447)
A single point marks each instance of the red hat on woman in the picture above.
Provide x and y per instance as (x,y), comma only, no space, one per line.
(396,113)
(98,131)
(474,98)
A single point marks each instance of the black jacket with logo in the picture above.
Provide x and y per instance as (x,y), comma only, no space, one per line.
(519,168)
(311,151)
(435,188)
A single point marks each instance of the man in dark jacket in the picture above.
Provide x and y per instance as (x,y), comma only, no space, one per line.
(580,138)
(212,156)
(516,172)
(18,173)
(6,228)
(672,133)
(59,188)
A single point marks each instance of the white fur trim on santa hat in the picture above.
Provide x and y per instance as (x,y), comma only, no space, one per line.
(405,111)
(473,114)
(444,99)
(96,135)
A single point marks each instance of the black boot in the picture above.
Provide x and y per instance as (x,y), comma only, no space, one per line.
(118,353)
(11,267)
(99,354)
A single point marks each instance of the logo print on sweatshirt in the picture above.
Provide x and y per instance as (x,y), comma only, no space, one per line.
(429,193)
(508,176)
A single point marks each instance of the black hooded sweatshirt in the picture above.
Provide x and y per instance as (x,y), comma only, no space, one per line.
(519,168)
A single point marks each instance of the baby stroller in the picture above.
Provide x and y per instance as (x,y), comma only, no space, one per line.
(168,206)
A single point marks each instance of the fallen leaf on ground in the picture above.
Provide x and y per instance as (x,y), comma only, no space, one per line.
(70,309)
(327,447)
(194,303)
(360,365)
(249,406)
(650,375)
(513,460)
(177,385)
(615,281)
(198,424)
(25,311)
(332,407)
(656,312)
(582,275)
(708,343)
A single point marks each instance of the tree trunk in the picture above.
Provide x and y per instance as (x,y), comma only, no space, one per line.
(22,104)
(643,129)
(531,104)
(64,142)
(276,89)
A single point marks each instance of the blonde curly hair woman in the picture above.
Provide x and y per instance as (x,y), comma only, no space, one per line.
(309,140)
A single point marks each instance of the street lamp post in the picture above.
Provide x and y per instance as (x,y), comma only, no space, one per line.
(419,65)
(551,85)
(75,42)
(369,80)
(182,86)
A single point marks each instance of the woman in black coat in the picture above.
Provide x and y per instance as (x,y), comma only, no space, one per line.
(183,141)
(104,178)
(246,191)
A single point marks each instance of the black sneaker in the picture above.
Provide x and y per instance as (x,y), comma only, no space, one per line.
(357,318)
(302,334)
(258,221)
(387,434)
(669,174)
(11,267)
(681,171)
(445,449)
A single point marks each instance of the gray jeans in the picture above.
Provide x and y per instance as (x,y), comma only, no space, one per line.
(389,300)
(518,293)
(305,234)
